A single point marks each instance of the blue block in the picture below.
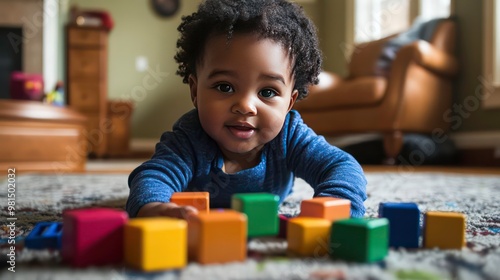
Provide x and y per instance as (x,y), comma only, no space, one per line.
(45,235)
(404,223)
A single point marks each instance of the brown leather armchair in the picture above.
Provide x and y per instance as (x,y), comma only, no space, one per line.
(412,97)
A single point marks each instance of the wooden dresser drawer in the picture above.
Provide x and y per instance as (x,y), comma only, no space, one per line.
(97,130)
(85,95)
(93,123)
(85,64)
(86,37)
(120,116)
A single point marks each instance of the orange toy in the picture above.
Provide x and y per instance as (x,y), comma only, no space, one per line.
(199,200)
(217,237)
(330,208)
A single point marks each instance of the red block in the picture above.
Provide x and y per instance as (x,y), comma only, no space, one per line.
(93,236)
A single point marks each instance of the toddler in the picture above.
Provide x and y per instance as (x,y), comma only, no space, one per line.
(246,63)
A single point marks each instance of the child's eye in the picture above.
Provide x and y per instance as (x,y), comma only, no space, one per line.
(268,93)
(224,88)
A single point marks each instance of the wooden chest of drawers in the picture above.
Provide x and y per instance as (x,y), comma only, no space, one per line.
(87,60)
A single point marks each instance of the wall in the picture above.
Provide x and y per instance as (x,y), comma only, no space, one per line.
(159,95)
(332,25)
(469,114)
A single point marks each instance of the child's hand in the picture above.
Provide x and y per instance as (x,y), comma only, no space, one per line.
(168,209)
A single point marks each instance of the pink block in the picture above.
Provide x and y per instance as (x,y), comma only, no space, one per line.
(283,226)
(93,236)
(26,86)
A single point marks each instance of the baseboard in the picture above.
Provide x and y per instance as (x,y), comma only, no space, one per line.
(142,147)
(480,157)
(477,140)
(478,148)
(143,144)
(345,140)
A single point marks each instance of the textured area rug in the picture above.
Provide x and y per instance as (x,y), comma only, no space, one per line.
(43,197)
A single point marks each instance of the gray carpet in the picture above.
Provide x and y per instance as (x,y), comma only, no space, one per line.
(43,197)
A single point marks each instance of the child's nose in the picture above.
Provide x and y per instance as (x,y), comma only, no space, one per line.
(245,104)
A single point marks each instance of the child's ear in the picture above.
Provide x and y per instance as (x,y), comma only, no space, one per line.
(293,98)
(193,86)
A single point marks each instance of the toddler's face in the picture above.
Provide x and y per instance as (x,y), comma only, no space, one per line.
(243,91)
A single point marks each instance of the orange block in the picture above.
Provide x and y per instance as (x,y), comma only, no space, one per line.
(330,208)
(444,230)
(199,200)
(217,237)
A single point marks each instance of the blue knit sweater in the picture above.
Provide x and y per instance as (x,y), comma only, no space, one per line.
(187,159)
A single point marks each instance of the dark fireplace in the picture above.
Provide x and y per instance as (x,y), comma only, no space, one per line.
(11,56)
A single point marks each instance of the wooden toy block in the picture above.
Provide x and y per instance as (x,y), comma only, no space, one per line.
(404,223)
(155,243)
(283,226)
(444,230)
(308,237)
(217,237)
(199,200)
(93,236)
(360,239)
(330,208)
(261,210)
(45,235)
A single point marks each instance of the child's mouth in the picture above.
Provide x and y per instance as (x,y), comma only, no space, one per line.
(242,132)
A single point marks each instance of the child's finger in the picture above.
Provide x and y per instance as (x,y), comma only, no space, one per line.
(190,210)
(180,212)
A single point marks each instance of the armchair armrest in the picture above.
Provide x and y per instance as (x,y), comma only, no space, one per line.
(431,58)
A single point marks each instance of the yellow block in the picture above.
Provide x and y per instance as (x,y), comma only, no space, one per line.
(152,244)
(330,208)
(308,236)
(199,200)
(444,230)
(217,237)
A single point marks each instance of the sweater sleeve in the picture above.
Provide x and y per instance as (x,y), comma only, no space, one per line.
(328,169)
(168,171)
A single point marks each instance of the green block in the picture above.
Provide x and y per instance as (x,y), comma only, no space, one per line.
(261,210)
(360,239)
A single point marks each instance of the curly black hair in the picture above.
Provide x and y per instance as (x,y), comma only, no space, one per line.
(279,20)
